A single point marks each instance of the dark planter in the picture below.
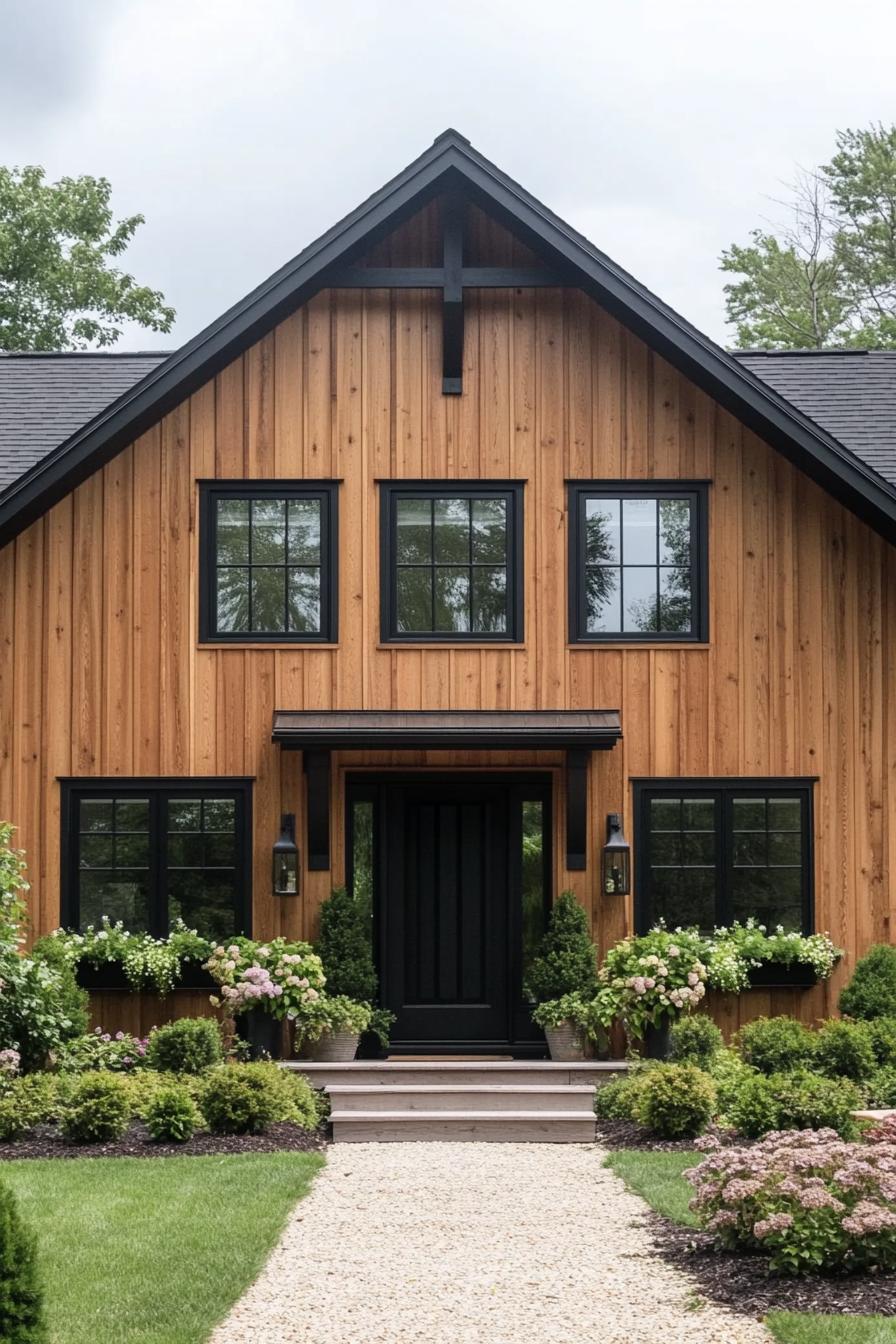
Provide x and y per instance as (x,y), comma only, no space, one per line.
(108,975)
(777,975)
(263,1032)
(369,1046)
(192,976)
(656,1040)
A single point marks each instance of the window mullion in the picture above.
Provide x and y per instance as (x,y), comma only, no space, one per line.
(158,810)
(725,861)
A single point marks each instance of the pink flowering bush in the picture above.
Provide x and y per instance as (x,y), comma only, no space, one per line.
(653,978)
(808,1200)
(115,1053)
(281,978)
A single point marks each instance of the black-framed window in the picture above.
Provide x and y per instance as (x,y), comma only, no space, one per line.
(712,851)
(149,852)
(451,560)
(268,561)
(638,565)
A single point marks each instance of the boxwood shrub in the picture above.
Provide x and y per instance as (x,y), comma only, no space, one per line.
(189,1045)
(99,1111)
(695,1040)
(236,1100)
(845,1049)
(675,1101)
(798,1100)
(871,992)
(775,1044)
(172,1116)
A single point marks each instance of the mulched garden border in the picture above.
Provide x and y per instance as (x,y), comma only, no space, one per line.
(617,1134)
(47,1141)
(743,1283)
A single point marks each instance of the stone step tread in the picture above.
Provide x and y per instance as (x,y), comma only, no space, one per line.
(454,1117)
(503,1066)
(434,1089)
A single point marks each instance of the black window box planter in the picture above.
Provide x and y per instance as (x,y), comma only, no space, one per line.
(781,975)
(110,975)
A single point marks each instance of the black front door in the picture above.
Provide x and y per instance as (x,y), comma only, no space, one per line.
(457,899)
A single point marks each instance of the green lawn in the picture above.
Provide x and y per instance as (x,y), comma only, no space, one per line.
(153,1250)
(657,1178)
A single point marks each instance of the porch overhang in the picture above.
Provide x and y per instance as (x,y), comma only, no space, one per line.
(316,733)
(447,729)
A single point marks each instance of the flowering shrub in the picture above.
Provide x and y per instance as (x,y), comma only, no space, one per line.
(147,962)
(810,1202)
(675,1101)
(651,978)
(118,1053)
(10,1061)
(284,979)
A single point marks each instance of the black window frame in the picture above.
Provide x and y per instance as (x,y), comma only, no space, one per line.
(697,492)
(159,790)
(723,789)
(393,491)
(327,491)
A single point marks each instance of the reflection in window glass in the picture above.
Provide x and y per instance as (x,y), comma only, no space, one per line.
(268,565)
(362,855)
(113,861)
(533,892)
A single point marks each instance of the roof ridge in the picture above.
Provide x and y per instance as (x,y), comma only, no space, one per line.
(85,354)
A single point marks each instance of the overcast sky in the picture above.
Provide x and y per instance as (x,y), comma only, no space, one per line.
(241,129)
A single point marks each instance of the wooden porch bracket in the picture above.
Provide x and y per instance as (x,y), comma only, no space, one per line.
(317,776)
(577,761)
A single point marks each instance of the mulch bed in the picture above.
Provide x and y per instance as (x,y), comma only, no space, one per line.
(47,1141)
(615,1134)
(743,1283)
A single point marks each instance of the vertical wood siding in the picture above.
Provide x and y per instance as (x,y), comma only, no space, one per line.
(101,673)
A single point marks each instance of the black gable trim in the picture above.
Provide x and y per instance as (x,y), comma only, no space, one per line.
(452,164)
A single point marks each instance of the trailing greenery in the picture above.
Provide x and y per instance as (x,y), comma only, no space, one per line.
(871,992)
(99,1111)
(147,963)
(695,1040)
(188,1045)
(675,1101)
(565,962)
(21,1296)
(133,1250)
(735,948)
(775,1044)
(172,1116)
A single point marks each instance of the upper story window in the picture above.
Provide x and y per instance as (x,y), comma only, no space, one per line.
(451,561)
(712,851)
(150,852)
(638,561)
(268,561)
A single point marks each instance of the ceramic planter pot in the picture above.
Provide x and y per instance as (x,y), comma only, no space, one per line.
(565,1042)
(335,1047)
(264,1034)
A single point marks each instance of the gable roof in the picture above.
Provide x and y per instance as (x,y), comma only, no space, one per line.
(45,398)
(451,163)
(850,393)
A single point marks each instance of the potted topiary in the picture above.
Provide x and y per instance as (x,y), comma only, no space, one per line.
(334,1028)
(562,978)
(345,947)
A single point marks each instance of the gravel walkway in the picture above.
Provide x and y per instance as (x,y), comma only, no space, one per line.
(472,1243)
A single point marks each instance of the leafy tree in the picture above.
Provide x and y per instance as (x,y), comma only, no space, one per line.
(59,287)
(827,277)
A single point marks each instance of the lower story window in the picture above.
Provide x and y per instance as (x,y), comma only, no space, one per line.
(151,852)
(709,852)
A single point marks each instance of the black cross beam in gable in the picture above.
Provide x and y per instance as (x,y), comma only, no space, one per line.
(452,278)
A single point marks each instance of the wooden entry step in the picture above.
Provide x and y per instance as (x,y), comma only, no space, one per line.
(495,1101)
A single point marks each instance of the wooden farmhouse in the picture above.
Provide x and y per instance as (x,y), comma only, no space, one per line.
(451,549)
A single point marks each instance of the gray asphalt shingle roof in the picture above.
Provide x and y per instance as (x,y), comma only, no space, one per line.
(45,398)
(850,393)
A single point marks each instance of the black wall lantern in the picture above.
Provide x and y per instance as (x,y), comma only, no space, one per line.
(616,858)
(286,858)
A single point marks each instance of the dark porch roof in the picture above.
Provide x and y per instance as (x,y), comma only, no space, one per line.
(503,729)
